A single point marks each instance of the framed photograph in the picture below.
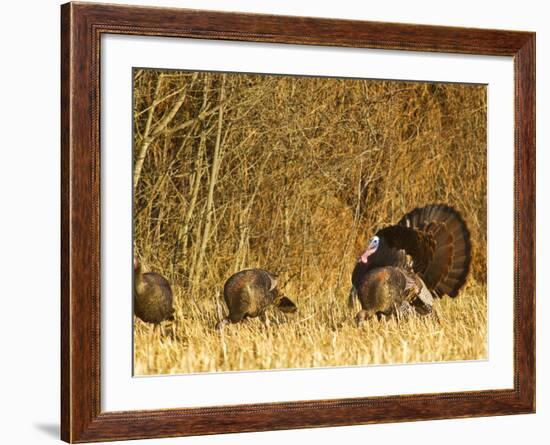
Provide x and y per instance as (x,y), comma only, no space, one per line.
(274,222)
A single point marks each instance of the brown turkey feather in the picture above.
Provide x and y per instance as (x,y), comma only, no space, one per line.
(445,271)
(418,244)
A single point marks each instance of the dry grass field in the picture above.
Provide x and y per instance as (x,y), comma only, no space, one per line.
(322,333)
(294,175)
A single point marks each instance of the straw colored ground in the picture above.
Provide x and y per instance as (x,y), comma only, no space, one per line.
(321,334)
(294,175)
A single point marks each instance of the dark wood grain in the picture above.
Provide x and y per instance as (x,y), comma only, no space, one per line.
(524,255)
(81,29)
(65,227)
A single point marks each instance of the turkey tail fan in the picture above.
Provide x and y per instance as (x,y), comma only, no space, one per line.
(448,269)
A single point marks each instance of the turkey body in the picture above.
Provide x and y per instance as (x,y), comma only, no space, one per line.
(153,298)
(250,292)
(385,291)
(426,255)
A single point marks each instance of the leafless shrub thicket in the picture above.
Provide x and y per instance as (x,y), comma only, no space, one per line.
(293,174)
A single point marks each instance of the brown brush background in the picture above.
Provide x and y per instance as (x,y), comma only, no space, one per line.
(294,175)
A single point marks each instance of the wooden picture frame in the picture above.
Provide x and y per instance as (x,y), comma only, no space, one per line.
(81,27)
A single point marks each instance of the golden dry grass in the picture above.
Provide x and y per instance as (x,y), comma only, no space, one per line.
(321,334)
(294,175)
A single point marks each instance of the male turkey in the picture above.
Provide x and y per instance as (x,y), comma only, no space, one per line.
(249,293)
(426,254)
(153,298)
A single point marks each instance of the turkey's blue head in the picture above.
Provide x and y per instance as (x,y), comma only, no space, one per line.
(372,247)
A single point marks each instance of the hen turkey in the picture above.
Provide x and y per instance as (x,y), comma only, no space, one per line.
(153,298)
(249,293)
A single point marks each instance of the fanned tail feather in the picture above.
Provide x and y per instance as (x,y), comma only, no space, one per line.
(448,269)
